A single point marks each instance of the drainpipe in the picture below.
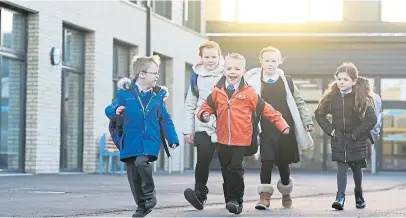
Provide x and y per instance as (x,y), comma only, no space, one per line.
(148,29)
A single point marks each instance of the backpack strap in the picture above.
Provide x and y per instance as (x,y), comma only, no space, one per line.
(290,83)
(193,84)
(156,90)
(210,101)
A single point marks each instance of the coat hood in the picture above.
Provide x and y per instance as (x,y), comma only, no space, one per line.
(125,84)
(257,71)
(199,69)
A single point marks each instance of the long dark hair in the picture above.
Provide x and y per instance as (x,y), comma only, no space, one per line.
(362,90)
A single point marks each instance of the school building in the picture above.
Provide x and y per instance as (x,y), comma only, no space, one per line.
(370,33)
(60,61)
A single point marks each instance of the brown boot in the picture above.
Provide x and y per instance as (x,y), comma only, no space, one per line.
(285,190)
(265,192)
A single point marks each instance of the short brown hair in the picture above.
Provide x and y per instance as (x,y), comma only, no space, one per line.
(209,44)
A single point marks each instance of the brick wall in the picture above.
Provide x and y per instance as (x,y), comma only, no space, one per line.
(32,95)
(43,95)
(90,151)
(44,80)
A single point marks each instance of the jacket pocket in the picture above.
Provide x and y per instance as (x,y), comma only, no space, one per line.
(241,96)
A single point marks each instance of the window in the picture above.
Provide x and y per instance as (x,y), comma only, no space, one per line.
(393,89)
(74,43)
(12,75)
(281,11)
(393,10)
(13,32)
(310,89)
(227,10)
(121,63)
(192,14)
(72,100)
(325,10)
(163,8)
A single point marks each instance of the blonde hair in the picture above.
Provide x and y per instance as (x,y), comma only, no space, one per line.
(236,56)
(271,49)
(141,63)
(209,44)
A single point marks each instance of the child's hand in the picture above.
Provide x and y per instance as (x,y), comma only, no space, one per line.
(206,116)
(173,146)
(286,131)
(189,138)
(309,128)
(120,110)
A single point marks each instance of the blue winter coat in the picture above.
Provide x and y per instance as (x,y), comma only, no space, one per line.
(141,134)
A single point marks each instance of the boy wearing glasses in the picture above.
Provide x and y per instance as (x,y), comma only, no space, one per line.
(142,106)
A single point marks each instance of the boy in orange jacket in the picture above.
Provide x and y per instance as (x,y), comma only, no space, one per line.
(233,101)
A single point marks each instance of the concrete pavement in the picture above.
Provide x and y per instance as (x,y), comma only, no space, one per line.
(109,195)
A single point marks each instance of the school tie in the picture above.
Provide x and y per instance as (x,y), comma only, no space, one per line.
(230,91)
(271,81)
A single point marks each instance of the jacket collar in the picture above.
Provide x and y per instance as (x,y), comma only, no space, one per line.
(222,81)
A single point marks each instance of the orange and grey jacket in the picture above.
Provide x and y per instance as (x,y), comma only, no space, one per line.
(234,125)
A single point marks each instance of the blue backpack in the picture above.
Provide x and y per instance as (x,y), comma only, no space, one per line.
(193,84)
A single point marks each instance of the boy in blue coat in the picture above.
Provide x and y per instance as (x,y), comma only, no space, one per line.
(142,107)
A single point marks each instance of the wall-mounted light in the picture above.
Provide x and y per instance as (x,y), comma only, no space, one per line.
(55,56)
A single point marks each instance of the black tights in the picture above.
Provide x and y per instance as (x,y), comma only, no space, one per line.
(342,169)
(266,172)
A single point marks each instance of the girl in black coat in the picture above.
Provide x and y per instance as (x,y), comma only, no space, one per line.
(349,100)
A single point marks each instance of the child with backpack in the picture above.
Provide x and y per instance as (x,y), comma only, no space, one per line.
(116,123)
(277,89)
(206,74)
(142,106)
(350,102)
(233,101)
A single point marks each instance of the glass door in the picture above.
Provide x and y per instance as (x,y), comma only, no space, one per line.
(393,147)
(71,121)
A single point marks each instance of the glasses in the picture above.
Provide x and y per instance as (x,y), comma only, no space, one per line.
(153,73)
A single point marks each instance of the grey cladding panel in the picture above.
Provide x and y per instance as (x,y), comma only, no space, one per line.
(324,58)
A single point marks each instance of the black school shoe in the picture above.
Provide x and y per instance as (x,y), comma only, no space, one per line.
(234,207)
(339,202)
(198,197)
(359,200)
(141,212)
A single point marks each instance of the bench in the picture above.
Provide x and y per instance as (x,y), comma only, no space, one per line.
(109,149)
